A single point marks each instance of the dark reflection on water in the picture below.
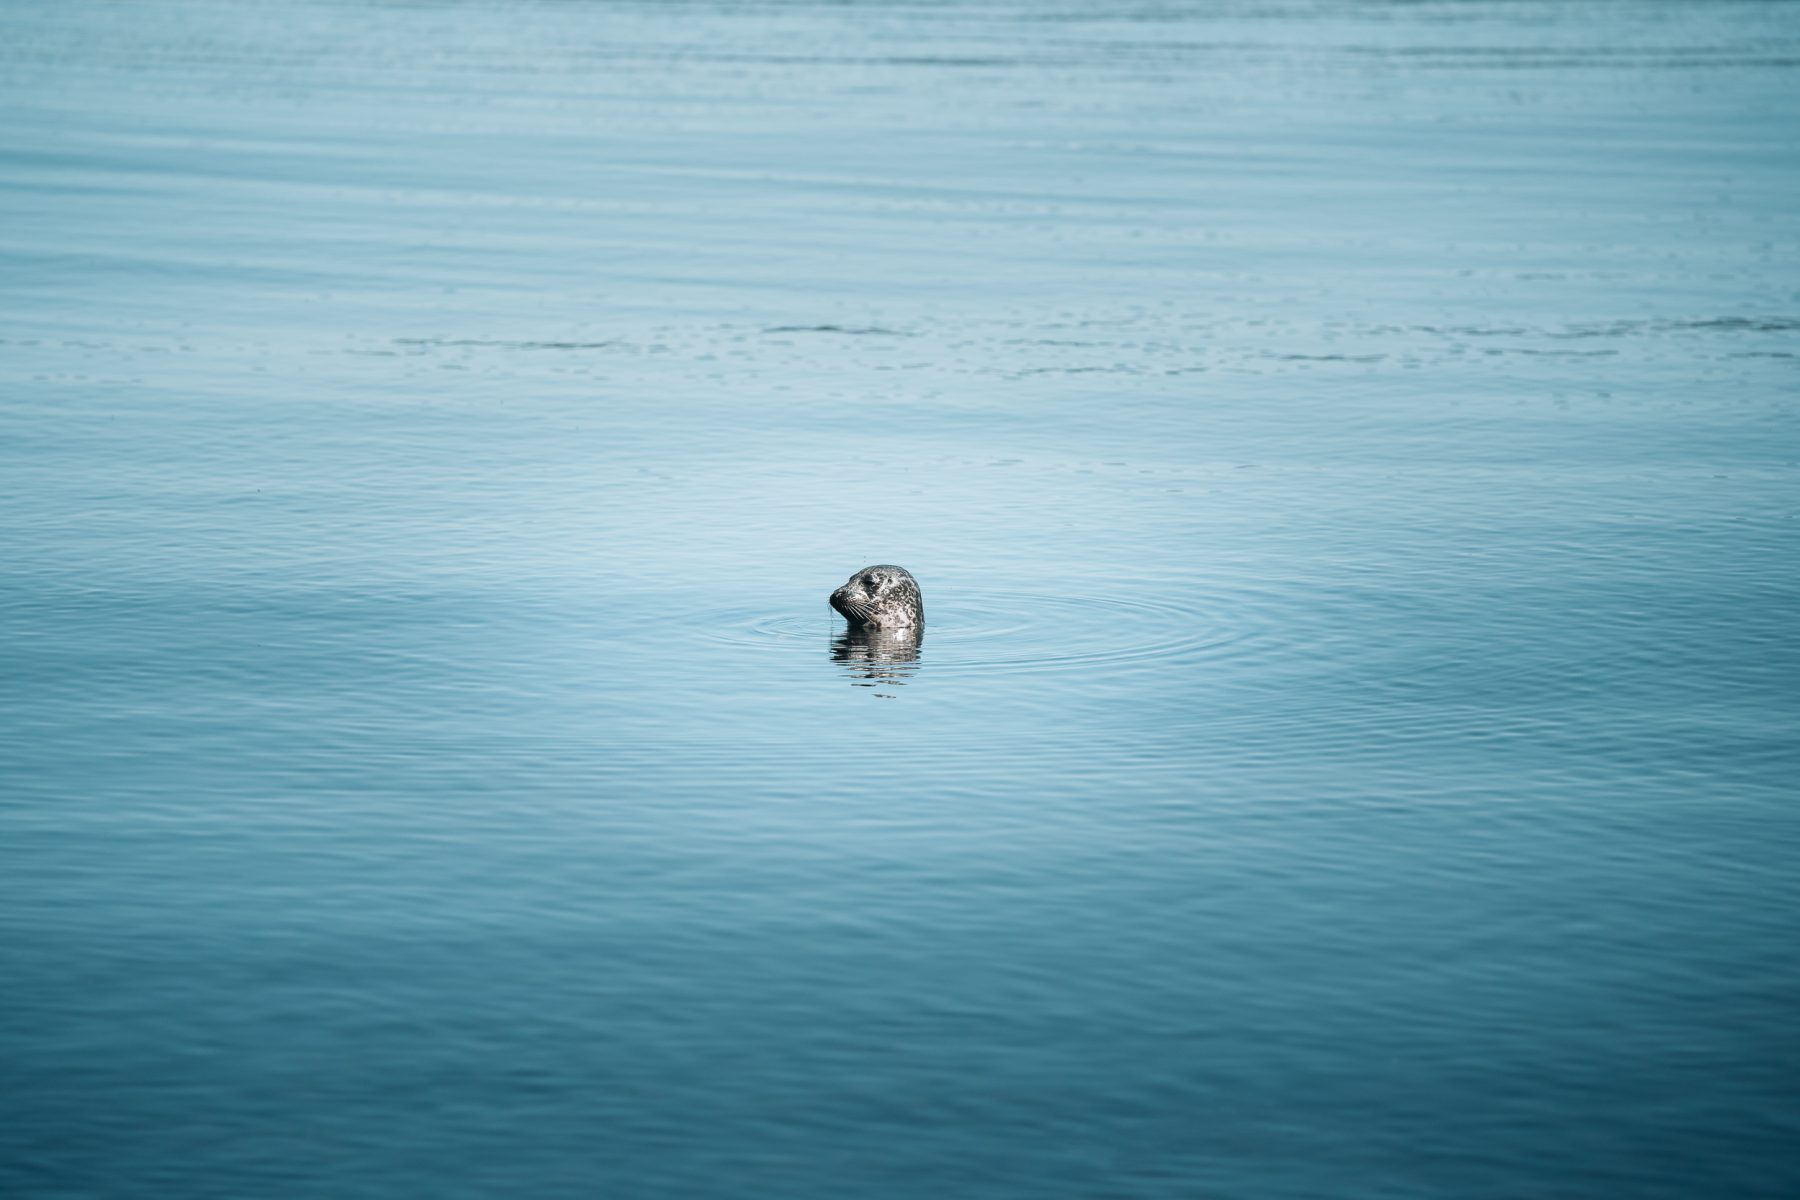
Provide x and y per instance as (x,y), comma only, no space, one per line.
(878,657)
(1352,447)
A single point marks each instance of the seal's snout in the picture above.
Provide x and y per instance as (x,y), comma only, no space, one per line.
(851,602)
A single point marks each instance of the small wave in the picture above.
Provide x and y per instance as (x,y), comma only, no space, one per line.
(1698,324)
(503,344)
(849,330)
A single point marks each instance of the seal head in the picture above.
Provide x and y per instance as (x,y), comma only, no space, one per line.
(881,597)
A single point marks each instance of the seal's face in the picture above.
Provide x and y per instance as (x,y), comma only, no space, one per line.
(881,597)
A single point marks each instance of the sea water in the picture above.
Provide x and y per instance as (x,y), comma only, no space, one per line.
(1348,450)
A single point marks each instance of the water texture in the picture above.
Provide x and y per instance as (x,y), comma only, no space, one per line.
(1348,450)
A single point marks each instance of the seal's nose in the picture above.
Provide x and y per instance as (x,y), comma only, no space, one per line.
(849,598)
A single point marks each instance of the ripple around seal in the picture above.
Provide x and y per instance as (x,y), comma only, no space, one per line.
(1027,631)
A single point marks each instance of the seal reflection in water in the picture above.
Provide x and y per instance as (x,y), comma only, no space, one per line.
(887,621)
(877,656)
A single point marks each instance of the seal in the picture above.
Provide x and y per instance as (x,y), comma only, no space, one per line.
(881,597)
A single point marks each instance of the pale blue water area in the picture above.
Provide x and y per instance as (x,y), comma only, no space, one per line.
(1348,450)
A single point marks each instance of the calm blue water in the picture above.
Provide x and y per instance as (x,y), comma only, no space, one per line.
(1349,451)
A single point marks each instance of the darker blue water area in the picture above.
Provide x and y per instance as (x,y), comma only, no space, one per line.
(1349,451)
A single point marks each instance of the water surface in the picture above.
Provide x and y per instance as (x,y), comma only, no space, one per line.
(1349,451)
